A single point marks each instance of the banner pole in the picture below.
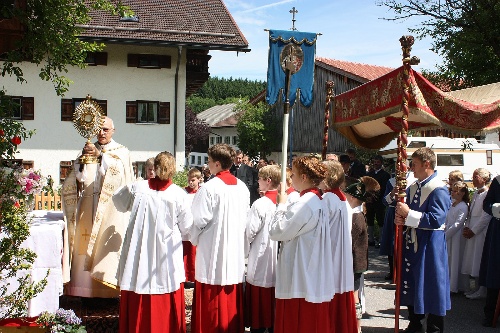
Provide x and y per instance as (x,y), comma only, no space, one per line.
(329,97)
(284,144)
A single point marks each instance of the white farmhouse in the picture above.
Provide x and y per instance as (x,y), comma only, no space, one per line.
(141,79)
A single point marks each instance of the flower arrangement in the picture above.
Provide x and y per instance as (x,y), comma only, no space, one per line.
(63,321)
(19,184)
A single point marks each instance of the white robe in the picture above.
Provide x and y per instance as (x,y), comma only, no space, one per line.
(340,216)
(305,264)
(151,260)
(455,220)
(95,240)
(219,220)
(478,222)
(262,253)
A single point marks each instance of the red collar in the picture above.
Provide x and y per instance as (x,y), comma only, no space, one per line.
(189,190)
(338,192)
(159,185)
(227,177)
(273,195)
(290,190)
(314,190)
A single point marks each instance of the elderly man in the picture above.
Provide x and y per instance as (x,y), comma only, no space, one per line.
(95,228)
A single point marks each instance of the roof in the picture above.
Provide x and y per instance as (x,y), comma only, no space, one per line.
(219,115)
(354,70)
(193,23)
(479,95)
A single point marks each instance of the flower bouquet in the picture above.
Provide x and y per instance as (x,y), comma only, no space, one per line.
(19,184)
(63,321)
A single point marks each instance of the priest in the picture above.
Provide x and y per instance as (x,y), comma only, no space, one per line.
(95,227)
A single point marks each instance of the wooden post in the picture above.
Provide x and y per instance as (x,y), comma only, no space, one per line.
(406,44)
(329,97)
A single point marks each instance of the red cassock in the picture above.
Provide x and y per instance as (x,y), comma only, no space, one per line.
(260,306)
(295,315)
(158,313)
(217,309)
(189,251)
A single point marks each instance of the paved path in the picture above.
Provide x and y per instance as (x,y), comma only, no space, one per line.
(465,315)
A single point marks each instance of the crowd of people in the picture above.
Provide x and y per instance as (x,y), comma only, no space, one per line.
(272,259)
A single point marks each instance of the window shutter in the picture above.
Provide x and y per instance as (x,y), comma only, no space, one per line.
(131,112)
(164,113)
(101,58)
(133,60)
(164,61)
(104,106)
(66,110)
(28,108)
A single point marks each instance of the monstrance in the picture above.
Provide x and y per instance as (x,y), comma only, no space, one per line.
(88,120)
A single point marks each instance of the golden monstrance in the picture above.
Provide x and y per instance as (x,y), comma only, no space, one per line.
(88,120)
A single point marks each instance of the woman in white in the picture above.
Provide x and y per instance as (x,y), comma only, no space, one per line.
(455,220)
(151,270)
(475,232)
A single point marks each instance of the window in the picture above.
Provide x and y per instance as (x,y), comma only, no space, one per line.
(199,160)
(97,58)
(450,159)
(68,107)
(64,170)
(235,140)
(149,61)
(417,144)
(21,108)
(193,158)
(212,140)
(148,112)
(227,140)
(206,160)
(489,157)
(219,139)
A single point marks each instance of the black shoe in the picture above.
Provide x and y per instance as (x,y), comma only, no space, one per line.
(487,322)
(413,328)
(188,285)
(388,276)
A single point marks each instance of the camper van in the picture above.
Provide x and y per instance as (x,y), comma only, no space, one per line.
(461,154)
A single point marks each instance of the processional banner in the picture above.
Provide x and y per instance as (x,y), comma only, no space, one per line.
(300,48)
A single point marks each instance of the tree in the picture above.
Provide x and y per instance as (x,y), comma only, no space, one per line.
(196,130)
(466,33)
(50,36)
(50,39)
(256,129)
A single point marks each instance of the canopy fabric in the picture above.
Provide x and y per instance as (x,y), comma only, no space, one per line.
(370,115)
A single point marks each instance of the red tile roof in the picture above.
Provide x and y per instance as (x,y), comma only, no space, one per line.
(364,72)
(192,23)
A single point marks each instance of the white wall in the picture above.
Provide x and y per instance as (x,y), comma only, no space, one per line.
(57,140)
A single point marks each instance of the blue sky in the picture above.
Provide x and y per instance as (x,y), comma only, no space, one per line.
(351,31)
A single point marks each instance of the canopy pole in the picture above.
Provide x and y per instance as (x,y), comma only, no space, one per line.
(406,44)
(329,97)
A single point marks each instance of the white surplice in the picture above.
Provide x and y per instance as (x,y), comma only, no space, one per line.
(305,265)
(262,253)
(478,222)
(219,220)
(151,260)
(340,215)
(455,220)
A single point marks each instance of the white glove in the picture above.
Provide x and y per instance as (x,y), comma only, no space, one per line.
(495,210)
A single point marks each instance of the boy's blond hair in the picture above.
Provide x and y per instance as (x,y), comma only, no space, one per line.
(272,172)
(194,172)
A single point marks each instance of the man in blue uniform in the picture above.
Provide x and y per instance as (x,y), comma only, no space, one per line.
(425,285)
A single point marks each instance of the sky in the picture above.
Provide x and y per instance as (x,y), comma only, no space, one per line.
(351,30)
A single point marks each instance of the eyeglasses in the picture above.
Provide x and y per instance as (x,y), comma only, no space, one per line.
(106,130)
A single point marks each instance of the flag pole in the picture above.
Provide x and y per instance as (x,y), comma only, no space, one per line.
(329,97)
(286,114)
(406,44)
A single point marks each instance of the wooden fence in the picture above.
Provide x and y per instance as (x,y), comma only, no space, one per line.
(48,202)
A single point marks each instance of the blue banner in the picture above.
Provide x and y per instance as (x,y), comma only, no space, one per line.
(280,44)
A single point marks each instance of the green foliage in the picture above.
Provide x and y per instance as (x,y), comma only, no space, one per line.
(51,37)
(218,91)
(181,178)
(465,33)
(256,129)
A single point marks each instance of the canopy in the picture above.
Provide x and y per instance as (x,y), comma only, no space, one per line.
(370,115)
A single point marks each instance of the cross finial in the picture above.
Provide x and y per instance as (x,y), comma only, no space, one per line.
(293,11)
